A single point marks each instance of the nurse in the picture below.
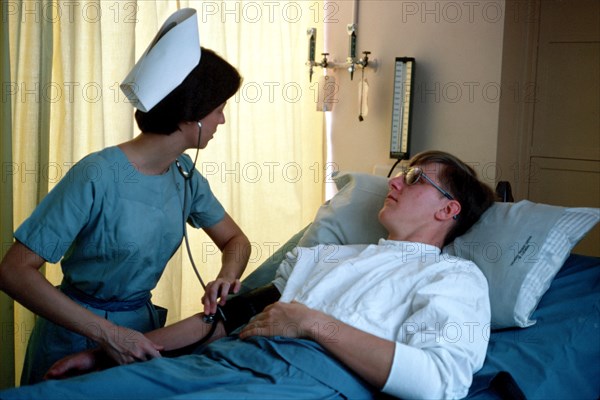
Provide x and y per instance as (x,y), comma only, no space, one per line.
(118,215)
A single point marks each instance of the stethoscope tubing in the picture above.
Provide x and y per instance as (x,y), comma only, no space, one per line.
(187,176)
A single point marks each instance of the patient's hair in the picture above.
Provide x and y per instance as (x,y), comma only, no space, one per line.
(461,181)
(206,87)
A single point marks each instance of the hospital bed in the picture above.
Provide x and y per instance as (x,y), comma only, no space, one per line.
(544,339)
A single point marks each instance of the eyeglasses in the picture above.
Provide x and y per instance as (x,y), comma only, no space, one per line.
(412,175)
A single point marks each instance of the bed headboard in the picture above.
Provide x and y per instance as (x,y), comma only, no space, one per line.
(504,192)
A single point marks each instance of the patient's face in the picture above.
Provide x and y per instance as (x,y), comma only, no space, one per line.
(410,208)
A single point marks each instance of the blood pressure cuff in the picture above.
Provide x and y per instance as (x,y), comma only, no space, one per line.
(240,309)
(235,313)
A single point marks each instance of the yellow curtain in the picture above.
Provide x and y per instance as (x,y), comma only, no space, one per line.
(7,315)
(62,62)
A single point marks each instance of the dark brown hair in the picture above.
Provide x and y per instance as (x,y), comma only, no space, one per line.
(207,86)
(461,181)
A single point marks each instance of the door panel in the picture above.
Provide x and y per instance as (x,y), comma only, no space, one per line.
(567,108)
(570,183)
(564,152)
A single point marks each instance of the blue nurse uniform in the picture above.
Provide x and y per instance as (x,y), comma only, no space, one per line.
(113,229)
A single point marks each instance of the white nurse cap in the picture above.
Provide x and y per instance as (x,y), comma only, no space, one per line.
(172,55)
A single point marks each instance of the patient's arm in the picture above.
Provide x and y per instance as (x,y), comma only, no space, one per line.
(179,338)
(367,355)
(185,332)
(173,337)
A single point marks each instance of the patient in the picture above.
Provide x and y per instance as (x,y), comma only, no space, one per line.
(398,317)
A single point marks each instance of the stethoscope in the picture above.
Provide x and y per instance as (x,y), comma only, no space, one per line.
(187,176)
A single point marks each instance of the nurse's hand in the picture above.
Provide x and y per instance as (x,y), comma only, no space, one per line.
(126,346)
(216,293)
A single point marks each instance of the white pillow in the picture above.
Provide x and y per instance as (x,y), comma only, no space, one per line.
(350,217)
(518,246)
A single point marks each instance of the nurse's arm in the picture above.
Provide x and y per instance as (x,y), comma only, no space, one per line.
(235,252)
(21,279)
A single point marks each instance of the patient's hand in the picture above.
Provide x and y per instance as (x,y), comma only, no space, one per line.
(79,364)
(293,320)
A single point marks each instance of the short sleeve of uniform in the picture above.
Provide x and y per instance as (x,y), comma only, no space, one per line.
(205,208)
(56,221)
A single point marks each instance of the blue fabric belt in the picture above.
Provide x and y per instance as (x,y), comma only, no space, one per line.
(106,305)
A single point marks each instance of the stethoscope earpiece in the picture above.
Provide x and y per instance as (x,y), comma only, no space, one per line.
(188,174)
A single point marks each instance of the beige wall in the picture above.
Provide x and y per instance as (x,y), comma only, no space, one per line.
(458,50)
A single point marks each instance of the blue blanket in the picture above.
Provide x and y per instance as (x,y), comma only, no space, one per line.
(559,356)
(258,368)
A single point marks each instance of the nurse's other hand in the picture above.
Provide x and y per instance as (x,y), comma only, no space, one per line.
(126,346)
(216,293)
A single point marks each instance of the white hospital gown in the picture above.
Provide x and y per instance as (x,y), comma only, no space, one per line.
(433,306)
